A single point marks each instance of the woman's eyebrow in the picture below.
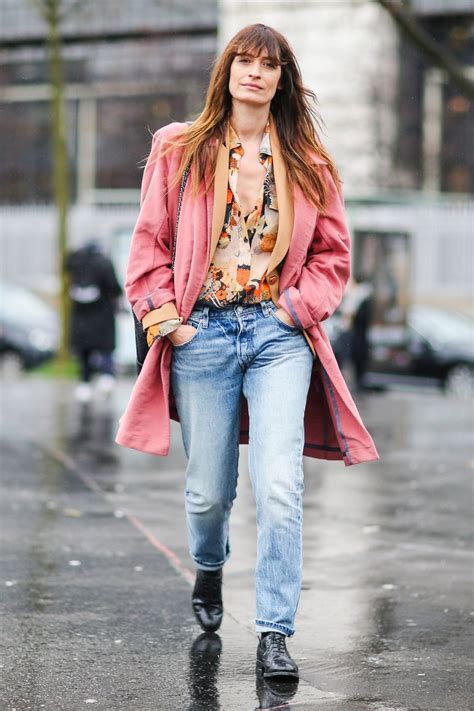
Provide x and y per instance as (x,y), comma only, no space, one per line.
(265,57)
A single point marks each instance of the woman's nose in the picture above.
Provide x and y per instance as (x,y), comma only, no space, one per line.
(254,70)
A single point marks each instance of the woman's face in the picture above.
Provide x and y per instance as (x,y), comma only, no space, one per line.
(254,80)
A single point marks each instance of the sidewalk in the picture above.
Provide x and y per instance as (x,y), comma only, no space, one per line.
(97,577)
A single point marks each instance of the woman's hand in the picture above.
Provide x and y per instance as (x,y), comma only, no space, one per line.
(283,316)
(182,334)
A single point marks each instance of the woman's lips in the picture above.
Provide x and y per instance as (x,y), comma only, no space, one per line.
(252,86)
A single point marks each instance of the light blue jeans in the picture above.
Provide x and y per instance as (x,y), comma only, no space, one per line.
(246,350)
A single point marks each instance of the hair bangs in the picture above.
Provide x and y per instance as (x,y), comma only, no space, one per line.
(257,41)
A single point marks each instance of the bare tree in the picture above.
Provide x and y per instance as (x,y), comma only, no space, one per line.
(53,13)
(432,50)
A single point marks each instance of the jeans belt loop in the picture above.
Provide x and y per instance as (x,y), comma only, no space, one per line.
(266,308)
(205,316)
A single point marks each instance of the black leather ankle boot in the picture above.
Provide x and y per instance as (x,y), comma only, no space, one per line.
(273,658)
(207,599)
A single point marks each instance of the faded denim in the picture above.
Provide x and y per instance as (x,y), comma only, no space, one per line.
(246,349)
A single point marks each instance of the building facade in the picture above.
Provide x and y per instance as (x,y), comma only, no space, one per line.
(129,68)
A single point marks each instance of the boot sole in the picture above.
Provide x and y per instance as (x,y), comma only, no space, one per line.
(212,628)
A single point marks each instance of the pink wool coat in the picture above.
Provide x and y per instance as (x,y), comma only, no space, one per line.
(312,253)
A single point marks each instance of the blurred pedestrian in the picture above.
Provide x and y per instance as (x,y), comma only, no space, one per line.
(94,290)
(354,317)
(231,273)
(361,298)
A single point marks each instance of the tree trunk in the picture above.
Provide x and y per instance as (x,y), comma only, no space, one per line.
(60,163)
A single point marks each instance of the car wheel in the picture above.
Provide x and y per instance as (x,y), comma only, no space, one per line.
(459,381)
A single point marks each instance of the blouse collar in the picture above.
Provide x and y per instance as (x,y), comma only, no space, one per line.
(265,147)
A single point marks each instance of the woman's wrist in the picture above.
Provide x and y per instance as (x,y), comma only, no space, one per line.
(159,330)
(174,328)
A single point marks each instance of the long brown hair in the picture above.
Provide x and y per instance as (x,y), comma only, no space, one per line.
(292,109)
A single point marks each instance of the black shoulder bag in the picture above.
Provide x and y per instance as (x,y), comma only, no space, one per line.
(140,335)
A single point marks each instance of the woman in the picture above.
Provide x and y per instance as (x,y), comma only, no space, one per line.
(238,353)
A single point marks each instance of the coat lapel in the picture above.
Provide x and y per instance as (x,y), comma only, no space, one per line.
(285,203)
(221,179)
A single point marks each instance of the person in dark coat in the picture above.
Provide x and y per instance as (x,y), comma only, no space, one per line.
(361,321)
(94,290)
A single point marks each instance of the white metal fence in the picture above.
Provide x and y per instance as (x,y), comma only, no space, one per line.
(28,239)
(442,239)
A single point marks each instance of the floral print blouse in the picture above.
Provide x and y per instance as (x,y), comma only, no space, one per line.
(246,242)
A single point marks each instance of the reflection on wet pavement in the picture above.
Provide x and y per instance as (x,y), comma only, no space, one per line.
(275,694)
(93,436)
(95,614)
(204,659)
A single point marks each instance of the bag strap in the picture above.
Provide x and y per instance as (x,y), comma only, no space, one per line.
(182,188)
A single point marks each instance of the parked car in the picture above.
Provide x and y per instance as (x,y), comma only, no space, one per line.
(435,348)
(445,348)
(29,328)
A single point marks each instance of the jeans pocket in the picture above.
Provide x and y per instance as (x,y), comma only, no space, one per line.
(285,326)
(197,325)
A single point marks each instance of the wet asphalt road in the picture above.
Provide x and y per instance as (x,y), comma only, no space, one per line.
(96,576)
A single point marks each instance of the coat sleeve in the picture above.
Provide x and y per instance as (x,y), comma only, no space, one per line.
(320,287)
(149,281)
